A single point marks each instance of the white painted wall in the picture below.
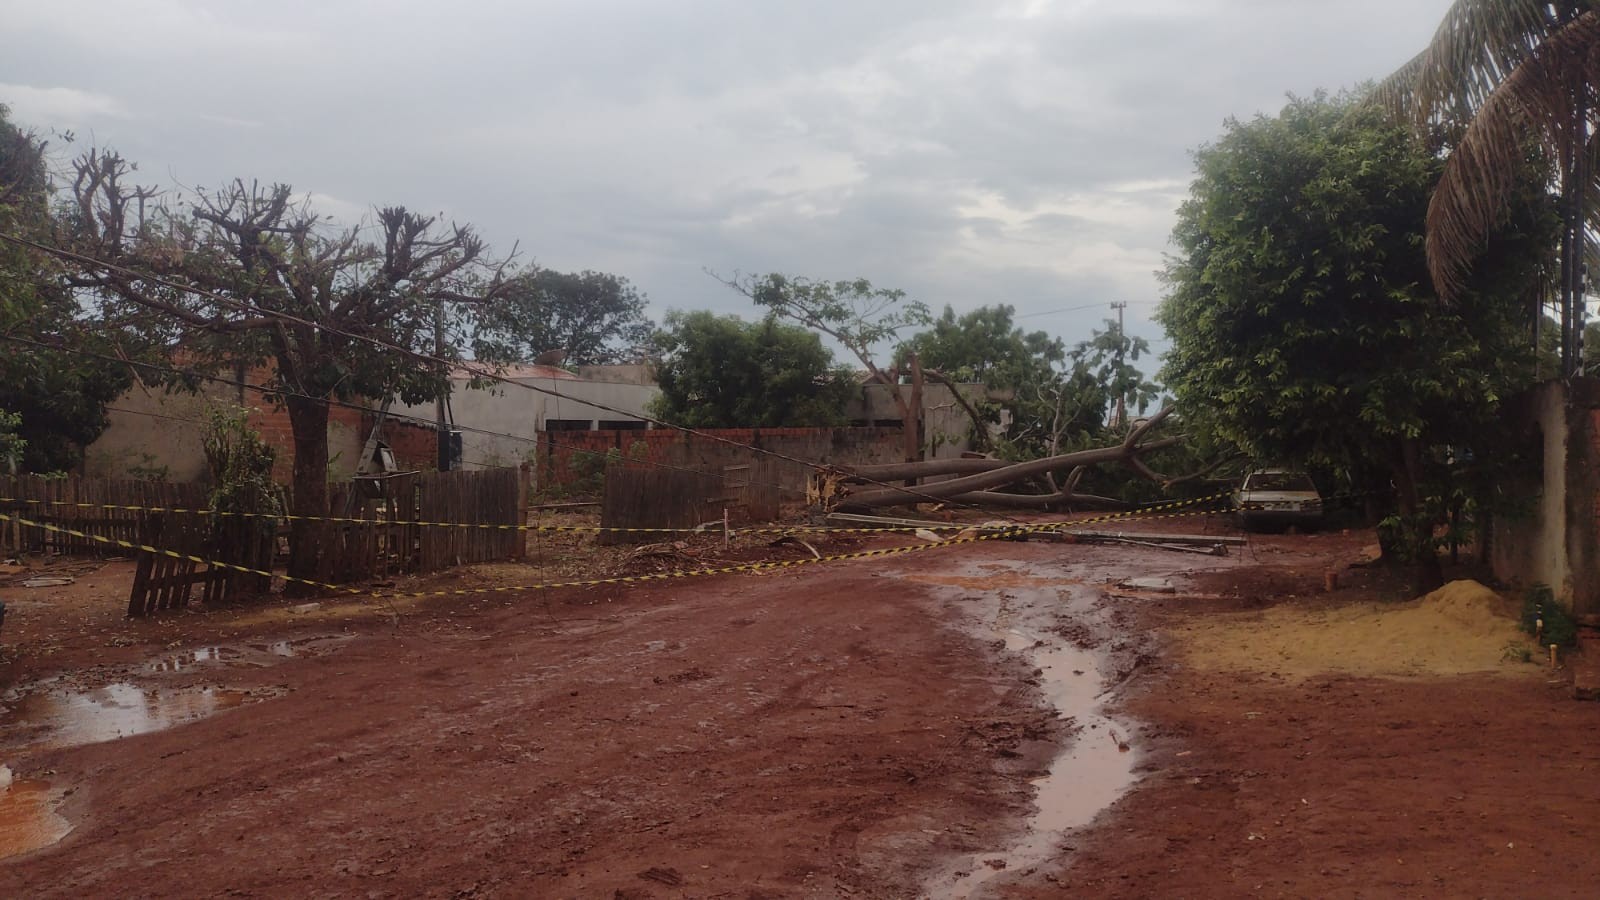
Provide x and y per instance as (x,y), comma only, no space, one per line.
(521,412)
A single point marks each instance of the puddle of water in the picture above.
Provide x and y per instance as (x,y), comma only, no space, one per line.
(1096,768)
(190,659)
(990,581)
(253,655)
(55,719)
(28,819)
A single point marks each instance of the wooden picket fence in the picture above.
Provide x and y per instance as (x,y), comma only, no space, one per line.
(87,505)
(637,496)
(165,581)
(382,544)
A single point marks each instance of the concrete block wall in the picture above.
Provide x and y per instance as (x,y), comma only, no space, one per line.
(1583,493)
(1557,543)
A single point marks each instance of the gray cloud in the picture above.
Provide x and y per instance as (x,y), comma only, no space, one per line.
(968,151)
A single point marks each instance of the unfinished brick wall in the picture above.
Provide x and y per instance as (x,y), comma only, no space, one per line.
(561,453)
(346,432)
(415,446)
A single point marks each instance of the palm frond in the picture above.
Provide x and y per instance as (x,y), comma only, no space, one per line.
(1534,101)
(1397,94)
(1479,44)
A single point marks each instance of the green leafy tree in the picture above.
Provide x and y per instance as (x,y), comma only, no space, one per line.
(1110,355)
(270,257)
(11,443)
(985,345)
(241,482)
(57,398)
(1053,401)
(722,372)
(861,318)
(1302,321)
(593,317)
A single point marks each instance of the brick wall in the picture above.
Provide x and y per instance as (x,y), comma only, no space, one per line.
(415,446)
(347,430)
(560,452)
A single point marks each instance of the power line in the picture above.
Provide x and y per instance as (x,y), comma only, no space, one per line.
(1052,312)
(189,420)
(230,303)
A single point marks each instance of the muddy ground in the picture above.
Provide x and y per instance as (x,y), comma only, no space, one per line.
(997,719)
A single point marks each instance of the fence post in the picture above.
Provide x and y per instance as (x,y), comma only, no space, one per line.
(524,488)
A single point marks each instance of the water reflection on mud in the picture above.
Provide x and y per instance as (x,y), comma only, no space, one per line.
(1096,768)
(28,817)
(71,718)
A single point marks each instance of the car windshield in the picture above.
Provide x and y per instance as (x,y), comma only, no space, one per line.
(1279,481)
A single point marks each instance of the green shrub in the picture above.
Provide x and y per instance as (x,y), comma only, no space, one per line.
(1540,603)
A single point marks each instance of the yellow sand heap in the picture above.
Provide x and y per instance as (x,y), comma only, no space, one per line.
(1462,627)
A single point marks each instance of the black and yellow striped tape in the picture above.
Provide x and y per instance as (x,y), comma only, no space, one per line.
(989,535)
(458,592)
(1141,512)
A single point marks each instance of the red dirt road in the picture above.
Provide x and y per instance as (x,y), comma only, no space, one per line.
(811,733)
(853,730)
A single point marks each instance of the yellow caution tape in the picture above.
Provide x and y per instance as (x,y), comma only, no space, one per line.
(1141,512)
(459,592)
(989,535)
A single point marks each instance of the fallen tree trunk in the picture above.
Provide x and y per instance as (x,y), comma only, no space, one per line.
(1041,502)
(986,481)
(986,475)
(927,469)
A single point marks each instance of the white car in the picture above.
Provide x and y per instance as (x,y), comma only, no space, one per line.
(1274,499)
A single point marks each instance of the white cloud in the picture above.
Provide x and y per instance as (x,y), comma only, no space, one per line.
(58,106)
(1029,151)
(164,29)
(231,121)
(339,212)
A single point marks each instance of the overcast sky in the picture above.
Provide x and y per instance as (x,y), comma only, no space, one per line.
(1030,153)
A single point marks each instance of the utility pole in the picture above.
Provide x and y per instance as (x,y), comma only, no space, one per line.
(1120,417)
(442,431)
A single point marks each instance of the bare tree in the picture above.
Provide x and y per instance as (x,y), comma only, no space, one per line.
(248,273)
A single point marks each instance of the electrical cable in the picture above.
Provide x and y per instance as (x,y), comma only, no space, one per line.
(240,306)
(268,392)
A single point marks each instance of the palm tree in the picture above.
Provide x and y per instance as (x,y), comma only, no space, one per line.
(1502,78)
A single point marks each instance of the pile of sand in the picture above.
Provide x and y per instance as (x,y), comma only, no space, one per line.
(1462,627)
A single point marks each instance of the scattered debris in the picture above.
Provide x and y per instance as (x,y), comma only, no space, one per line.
(48,581)
(1208,541)
(1149,585)
(668,876)
(791,539)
